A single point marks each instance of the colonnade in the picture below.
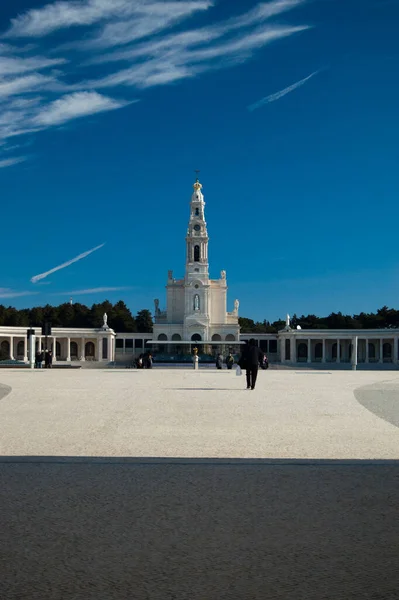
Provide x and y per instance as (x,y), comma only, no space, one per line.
(63,348)
(370,350)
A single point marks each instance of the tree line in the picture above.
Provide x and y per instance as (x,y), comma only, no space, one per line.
(78,315)
(384,318)
(121,319)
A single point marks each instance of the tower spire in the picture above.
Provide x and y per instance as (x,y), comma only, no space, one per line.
(197,235)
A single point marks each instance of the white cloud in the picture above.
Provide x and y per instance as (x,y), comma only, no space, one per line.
(8,293)
(180,63)
(9,162)
(72,106)
(10,65)
(97,290)
(37,92)
(281,93)
(61,14)
(27,83)
(184,40)
(37,278)
(149,19)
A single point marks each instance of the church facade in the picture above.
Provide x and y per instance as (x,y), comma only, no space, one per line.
(196,315)
(196,305)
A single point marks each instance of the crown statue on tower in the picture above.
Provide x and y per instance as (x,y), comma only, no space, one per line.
(197,185)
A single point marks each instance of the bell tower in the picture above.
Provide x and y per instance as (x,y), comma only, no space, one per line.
(197,237)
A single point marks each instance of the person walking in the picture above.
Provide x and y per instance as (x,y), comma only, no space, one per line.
(250,362)
(219,361)
(39,359)
(50,359)
(229,361)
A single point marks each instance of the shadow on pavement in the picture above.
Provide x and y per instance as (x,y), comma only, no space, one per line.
(94,528)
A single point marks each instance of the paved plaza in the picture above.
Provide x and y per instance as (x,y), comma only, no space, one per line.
(181,485)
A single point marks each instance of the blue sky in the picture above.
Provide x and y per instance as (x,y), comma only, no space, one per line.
(288,108)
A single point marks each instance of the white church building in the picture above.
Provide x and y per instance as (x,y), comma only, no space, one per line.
(196,305)
(196,315)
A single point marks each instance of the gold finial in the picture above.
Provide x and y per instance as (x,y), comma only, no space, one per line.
(197,185)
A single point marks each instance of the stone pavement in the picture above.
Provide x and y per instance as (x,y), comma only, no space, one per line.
(169,485)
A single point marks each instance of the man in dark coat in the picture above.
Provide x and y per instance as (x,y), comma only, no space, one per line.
(250,362)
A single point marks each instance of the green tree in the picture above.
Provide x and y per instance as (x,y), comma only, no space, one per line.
(122,319)
(246,325)
(144,323)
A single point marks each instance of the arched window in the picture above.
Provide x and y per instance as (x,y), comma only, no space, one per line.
(176,337)
(230,337)
(371,350)
(287,349)
(302,351)
(4,350)
(216,337)
(387,350)
(20,348)
(318,350)
(89,350)
(163,337)
(74,350)
(196,253)
(196,337)
(197,212)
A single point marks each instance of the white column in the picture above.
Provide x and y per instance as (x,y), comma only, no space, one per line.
(11,347)
(367,351)
(54,349)
(25,348)
(323,353)
(338,352)
(354,353)
(282,350)
(381,351)
(68,357)
(39,343)
(82,349)
(395,351)
(32,346)
(309,350)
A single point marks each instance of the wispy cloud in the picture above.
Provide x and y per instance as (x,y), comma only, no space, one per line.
(62,14)
(281,93)
(72,106)
(97,290)
(37,278)
(43,86)
(9,162)
(9,293)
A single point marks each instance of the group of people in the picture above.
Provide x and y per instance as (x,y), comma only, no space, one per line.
(46,357)
(144,361)
(229,361)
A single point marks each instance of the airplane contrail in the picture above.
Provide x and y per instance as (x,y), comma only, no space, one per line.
(37,278)
(281,93)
